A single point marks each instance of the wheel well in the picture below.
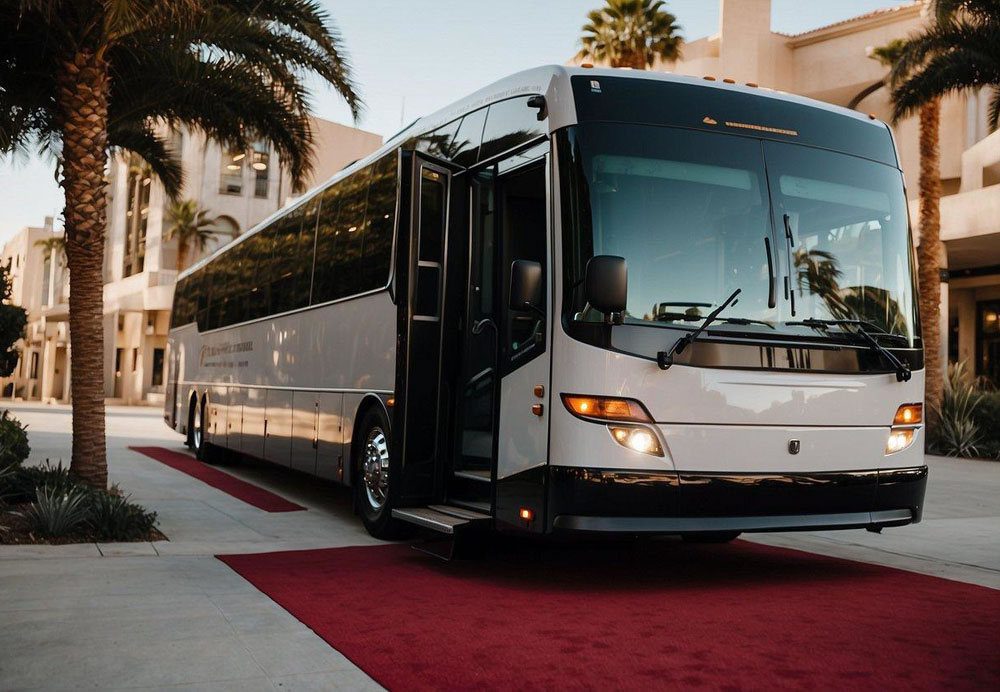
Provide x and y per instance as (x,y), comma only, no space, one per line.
(192,401)
(369,402)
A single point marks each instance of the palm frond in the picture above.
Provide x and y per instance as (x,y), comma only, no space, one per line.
(142,141)
(959,54)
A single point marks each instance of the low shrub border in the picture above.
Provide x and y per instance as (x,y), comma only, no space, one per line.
(44,504)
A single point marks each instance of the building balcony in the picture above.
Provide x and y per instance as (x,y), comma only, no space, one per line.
(148,290)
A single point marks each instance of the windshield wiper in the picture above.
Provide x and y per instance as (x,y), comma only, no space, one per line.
(789,244)
(666,358)
(744,321)
(861,327)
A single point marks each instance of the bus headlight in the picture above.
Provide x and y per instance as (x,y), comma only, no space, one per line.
(637,438)
(904,427)
(899,439)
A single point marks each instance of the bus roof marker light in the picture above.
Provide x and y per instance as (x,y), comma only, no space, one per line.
(729,80)
(709,78)
(587,65)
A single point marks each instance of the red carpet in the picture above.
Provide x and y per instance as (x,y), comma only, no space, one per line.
(241,490)
(642,616)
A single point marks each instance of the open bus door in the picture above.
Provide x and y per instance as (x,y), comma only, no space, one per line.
(463,349)
(432,224)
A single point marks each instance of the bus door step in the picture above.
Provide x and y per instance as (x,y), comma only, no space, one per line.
(455,529)
(442,518)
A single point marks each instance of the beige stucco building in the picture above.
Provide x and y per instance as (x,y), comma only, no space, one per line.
(237,188)
(39,284)
(832,64)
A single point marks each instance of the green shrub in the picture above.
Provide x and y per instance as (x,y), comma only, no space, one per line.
(987,416)
(57,513)
(114,518)
(956,430)
(21,484)
(14,448)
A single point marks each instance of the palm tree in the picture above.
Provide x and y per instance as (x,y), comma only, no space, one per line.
(887,55)
(959,51)
(55,247)
(192,228)
(631,33)
(82,77)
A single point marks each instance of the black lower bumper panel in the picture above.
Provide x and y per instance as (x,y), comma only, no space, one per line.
(614,501)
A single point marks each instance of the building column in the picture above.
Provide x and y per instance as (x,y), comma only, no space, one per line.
(48,369)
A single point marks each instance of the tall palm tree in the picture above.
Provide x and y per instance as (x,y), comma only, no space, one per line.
(192,228)
(82,77)
(631,33)
(958,51)
(887,55)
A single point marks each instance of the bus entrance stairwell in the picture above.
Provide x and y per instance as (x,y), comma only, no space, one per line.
(421,263)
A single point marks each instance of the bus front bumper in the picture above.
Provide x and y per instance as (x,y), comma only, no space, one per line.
(617,501)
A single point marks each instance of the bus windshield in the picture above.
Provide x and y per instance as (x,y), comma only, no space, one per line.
(690,211)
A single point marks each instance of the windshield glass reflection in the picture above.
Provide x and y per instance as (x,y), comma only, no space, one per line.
(690,211)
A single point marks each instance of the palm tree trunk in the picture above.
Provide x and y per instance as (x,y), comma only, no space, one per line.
(929,277)
(83,104)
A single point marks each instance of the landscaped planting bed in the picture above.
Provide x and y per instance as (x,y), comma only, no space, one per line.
(45,504)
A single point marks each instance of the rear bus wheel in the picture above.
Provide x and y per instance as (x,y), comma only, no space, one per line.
(198,432)
(372,480)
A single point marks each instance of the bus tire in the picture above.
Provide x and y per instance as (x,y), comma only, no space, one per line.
(198,432)
(711,537)
(371,487)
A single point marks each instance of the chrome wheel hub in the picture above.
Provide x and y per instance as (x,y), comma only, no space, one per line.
(375,468)
(196,433)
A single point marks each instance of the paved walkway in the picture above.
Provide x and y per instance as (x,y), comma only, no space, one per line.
(168,614)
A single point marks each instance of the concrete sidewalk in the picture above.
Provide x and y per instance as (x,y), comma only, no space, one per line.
(168,614)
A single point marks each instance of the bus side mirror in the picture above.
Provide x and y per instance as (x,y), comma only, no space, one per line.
(606,284)
(525,285)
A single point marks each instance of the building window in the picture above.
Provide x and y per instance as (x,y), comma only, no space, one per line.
(231,173)
(261,169)
(139,184)
(46,279)
(33,372)
(157,380)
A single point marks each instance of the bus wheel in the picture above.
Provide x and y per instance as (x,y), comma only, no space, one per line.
(372,479)
(711,537)
(198,431)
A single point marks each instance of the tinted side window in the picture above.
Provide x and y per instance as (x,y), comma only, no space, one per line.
(465,146)
(440,142)
(307,247)
(324,282)
(350,225)
(284,269)
(380,223)
(508,124)
(259,261)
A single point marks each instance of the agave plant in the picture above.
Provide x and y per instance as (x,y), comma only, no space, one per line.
(957,432)
(114,518)
(55,513)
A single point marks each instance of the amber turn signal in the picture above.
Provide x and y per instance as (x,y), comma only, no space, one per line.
(909,414)
(606,408)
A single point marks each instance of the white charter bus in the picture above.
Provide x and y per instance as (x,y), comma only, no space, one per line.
(580,301)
